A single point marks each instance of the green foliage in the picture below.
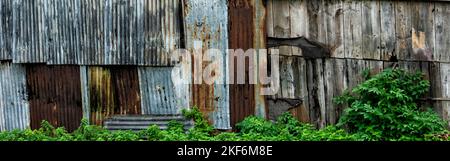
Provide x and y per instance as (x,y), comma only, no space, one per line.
(285,128)
(257,125)
(385,108)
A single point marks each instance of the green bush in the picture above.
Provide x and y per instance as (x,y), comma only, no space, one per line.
(385,108)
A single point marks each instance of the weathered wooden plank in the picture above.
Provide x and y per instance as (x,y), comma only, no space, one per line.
(298,14)
(301,89)
(423,31)
(352,30)
(316,92)
(371,30)
(442,29)
(334,17)
(388,34)
(445,81)
(281,24)
(335,76)
(436,87)
(403,30)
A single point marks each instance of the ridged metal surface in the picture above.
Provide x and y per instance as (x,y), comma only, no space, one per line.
(111,91)
(241,36)
(5,29)
(103,32)
(207,21)
(14,109)
(28,36)
(54,95)
(144,121)
(159,93)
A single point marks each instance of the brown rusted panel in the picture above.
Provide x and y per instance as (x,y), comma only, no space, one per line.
(241,36)
(54,95)
(113,91)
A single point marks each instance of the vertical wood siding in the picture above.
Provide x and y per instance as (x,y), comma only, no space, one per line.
(362,35)
(14,109)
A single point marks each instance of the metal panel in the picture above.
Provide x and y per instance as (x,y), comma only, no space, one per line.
(206,21)
(160,94)
(112,91)
(14,110)
(140,32)
(55,95)
(62,31)
(27,31)
(103,32)
(242,26)
(5,29)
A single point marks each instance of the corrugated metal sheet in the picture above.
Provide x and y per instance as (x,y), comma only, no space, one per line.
(144,121)
(141,32)
(14,111)
(5,29)
(61,30)
(207,21)
(54,95)
(160,94)
(112,91)
(28,35)
(104,32)
(241,36)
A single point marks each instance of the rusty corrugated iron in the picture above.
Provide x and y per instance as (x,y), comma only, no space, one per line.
(14,109)
(5,29)
(160,94)
(206,22)
(241,36)
(54,95)
(104,32)
(111,91)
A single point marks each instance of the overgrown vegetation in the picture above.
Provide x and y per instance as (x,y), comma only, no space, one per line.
(385,107)
(286,128)
(382,108)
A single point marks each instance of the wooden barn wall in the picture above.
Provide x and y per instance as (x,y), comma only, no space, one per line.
(370,35)
(206,25)
(6,29)
(54,95)
(108,91)
(14,107)
(85,32)
(160,94)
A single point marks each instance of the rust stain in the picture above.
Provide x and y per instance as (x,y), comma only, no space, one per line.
(241,36)
(54,95)
(113,91)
